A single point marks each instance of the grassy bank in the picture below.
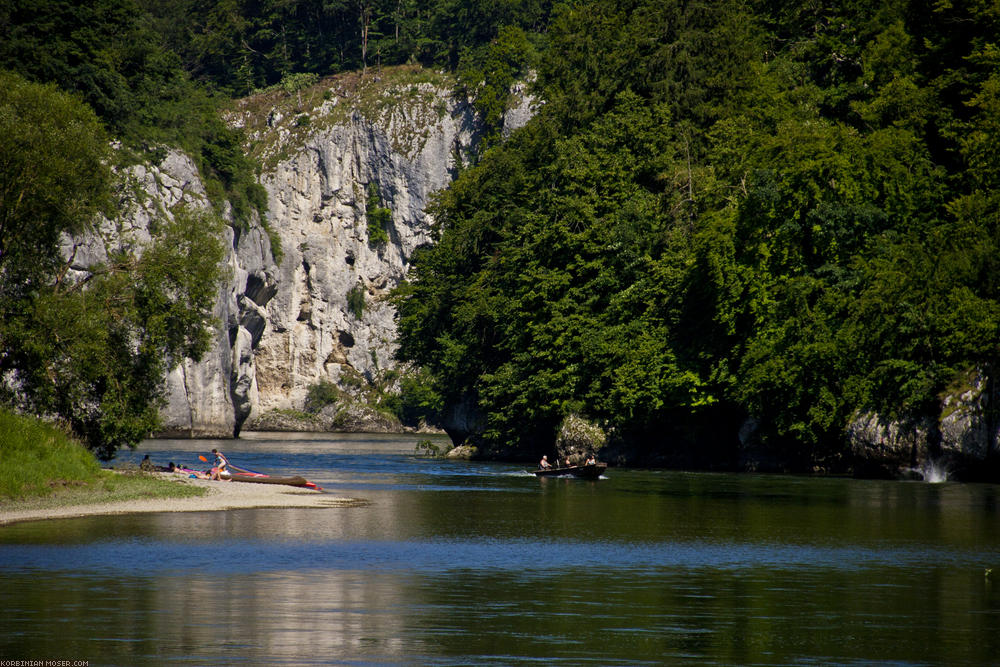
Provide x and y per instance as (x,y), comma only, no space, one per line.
(40,466)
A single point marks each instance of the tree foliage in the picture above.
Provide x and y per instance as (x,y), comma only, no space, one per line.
(91,351)
(108,54)
(725,210)
(240,46)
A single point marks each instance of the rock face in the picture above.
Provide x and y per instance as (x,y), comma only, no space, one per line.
(211,397)
(384,141)
(318,206)
(961,440)
(578,439)
(389,142)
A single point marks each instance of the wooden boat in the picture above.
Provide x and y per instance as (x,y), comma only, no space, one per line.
(551,472)
(265,479)
(238,474)
(592,471)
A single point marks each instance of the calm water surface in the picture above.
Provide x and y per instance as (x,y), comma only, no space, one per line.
(459,563)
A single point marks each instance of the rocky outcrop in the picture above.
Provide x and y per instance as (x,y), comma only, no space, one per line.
(333,152)
(960,442)
(210,397)
(967,426)
(578,439)
(352,143)
(213,397)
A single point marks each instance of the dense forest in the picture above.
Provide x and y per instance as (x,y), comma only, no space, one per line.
(722,210)
(88,88)
(726,210)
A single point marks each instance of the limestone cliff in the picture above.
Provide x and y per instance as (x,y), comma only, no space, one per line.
(210,397)
(389,139)
(959,441)
(330,152)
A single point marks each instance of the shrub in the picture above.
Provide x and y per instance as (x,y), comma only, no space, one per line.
(418,400)
(356,301)
(378,217)
(320,395)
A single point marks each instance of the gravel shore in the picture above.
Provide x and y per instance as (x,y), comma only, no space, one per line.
(220,496)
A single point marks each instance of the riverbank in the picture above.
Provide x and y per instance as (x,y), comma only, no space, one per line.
(218,496)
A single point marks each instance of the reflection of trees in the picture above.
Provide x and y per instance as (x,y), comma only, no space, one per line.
(295,616)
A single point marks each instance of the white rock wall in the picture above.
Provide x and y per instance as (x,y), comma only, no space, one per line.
(284,328)
(317,205)
(210,397)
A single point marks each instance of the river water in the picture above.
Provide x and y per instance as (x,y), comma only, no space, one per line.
(468,563)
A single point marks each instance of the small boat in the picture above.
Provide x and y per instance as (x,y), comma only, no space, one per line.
(266,479)
(243,475)
(592,471)
(237,474)
(552,472)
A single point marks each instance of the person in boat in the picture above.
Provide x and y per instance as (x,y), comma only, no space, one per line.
(591,461)
(544,463)
(221,468)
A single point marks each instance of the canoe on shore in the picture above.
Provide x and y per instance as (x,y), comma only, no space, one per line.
(237,474)
(592,471)
(264,479)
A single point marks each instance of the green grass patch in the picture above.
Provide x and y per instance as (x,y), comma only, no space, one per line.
(41,466)
(109,487)
(39,458)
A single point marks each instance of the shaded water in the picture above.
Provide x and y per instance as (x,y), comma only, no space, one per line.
(459,563)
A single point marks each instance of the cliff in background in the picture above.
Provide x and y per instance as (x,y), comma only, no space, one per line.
(320,314)
(208,398)
(287,326)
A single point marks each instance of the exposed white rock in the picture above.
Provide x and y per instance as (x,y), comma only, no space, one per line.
(965,424)
(963,433)
(210,397)
(284,328)
(405,139)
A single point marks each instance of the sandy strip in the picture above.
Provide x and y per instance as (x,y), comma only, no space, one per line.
(220,496)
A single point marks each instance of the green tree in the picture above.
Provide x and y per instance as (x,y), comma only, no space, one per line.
(797,224)
(91,351)
(54,179)
(488,74)
(107,52)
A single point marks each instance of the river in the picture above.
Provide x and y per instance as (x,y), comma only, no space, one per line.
(471,563)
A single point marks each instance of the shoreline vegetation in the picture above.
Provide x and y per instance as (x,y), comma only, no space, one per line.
(45,474)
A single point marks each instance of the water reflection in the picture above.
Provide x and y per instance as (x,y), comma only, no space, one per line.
(484,564)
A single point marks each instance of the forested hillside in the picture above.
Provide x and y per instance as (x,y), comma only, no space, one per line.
(725,214)
(92,90)
(726,210)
